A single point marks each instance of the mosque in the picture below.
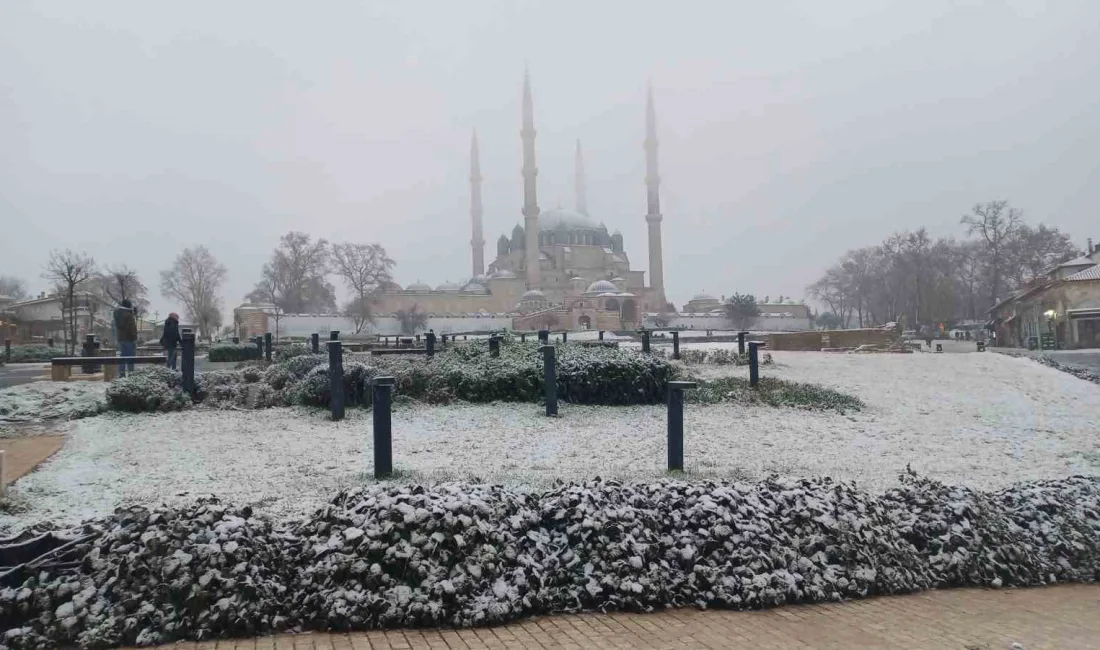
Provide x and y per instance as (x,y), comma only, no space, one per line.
(559,268)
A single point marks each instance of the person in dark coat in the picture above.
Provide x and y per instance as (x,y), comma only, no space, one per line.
(170,339)
(126,325)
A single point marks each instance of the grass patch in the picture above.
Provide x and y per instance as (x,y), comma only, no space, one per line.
(773,392)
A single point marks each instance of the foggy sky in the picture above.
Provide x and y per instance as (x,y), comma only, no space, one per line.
(789,131)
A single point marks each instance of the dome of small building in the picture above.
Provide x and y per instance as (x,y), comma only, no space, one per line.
(566,219)
(418,287)
(702,297)
(533,294)
(576,279)
(448,286)
(475,287)
(391,286)
(504,274)
(601,286)
(480,279)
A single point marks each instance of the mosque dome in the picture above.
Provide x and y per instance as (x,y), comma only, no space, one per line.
(391,286)
(567,219)
(504,273)
(418,287)
(448,286)
(533,294)
(601,286)
(702,297)
(475,287)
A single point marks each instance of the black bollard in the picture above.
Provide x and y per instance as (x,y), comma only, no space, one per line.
(383,427)
(259,341)
(267,346)
(187,363)
(418,338)
(49,341)
(601,335)
(550,379)
(315,342)
(939,347)
(522,337)
(675,345)
(7,350)
(676,424)
(443,339)
(334,335)
(336,379)
(87,349)
(465,338)
(429,342)
(544,336)
(564,337)
(96,347)
(494,346)
(645,340)
(741,343)
(754,363)
(236,340)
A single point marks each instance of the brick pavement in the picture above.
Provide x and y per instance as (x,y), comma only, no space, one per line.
(1063,618)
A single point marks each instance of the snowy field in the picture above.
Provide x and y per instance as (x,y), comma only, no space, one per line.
(979,419)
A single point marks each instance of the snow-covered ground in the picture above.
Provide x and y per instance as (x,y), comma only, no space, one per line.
(978,419)
(44,400)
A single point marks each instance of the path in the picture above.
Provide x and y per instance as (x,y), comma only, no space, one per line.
(1063,617)
(21,455)
(14,374)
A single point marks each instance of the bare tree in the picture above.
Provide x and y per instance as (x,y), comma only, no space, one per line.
(996,223)
(120,283)
(364,269)
(68,270)
(195,279)
(271,290)
(741,310)
(296,273)
(13,287)
(412,319)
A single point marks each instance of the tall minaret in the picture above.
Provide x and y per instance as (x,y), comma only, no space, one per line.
(477,242)
(653,211)
(530,200)
(581,191)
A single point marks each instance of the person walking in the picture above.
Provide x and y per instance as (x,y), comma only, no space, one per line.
(170,339)
(126,324)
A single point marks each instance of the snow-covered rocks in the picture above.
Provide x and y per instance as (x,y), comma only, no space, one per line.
(462,554)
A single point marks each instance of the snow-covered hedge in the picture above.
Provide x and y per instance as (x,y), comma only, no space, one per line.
(719,357)
(148,388)
(388,556)
(34,353)
(772,392)
(233,352)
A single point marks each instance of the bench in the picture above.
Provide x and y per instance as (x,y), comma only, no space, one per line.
(61,367)
(380,351)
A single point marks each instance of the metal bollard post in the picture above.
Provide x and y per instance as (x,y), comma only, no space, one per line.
(754,363)
(418,338)
(315,342)
(544,336)
(87,349)
(7,350)
(336,379)
(49,341)
(267,346)
(522,337)
(259,341)
(334,335)
(676,423)
(96,347)
(494,346)
(645,340)
(675,345)
(187,363)
(443,339)
(564,337)
(601,335)
(429,342)
(236,340)
(383,427)
(740,343)
(550,378)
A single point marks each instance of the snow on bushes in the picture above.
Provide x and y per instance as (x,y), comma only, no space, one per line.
(233,352)
(772,392)
(718,357)
(45,400)
(148,388)
(34,353)
(388,556)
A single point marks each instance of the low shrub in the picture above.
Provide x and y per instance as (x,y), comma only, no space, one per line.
(34,353)
(718,357)
(288,351)
(772,392)
(233,352)
(148,388)
(315,389)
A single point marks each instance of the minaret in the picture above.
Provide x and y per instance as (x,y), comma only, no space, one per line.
(581,191)
(477,242)
(653,202)
(530,200)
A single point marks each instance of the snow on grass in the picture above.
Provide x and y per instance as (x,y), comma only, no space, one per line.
(981,420)
(46,400)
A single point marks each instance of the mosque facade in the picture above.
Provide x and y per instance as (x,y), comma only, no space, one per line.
(557,268)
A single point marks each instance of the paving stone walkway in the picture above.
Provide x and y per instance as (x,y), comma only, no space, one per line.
(1063,618)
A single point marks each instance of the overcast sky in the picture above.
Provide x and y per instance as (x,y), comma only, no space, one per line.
(790,131)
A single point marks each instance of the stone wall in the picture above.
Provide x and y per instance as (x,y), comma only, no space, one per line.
(812,341)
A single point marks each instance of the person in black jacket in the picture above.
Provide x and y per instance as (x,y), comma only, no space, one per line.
(170,339)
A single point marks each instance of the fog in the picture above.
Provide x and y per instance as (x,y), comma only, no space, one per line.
(789,131)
